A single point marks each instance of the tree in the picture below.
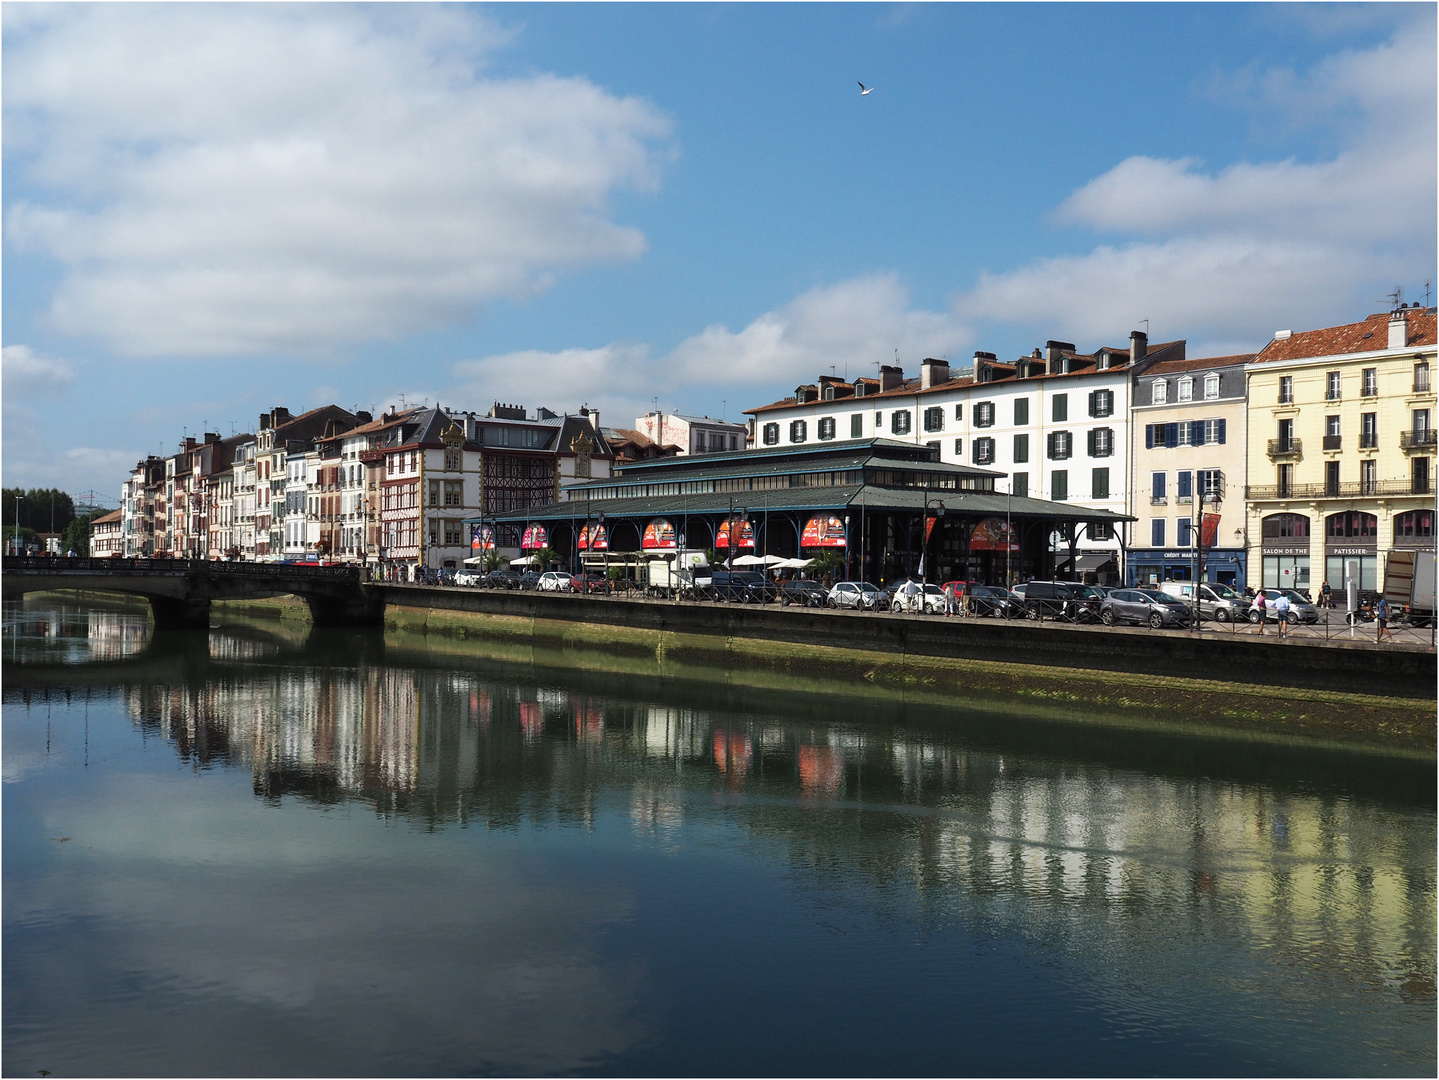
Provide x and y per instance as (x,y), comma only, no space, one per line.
(544,556)
(76,537)
(828,561)
(41,509)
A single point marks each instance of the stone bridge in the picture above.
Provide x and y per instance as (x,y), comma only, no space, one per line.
(180,591)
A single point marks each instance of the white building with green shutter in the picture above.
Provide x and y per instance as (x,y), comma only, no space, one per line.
(1056,422)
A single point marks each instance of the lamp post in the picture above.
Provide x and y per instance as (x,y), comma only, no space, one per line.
(847,552)
(599,528)
(924,550)
(17,524)
(1008,535)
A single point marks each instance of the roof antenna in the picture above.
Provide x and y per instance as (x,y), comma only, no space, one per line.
(1426,294)
(1146,326)
(1394,298)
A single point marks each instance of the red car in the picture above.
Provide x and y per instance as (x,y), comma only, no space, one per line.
(590,583)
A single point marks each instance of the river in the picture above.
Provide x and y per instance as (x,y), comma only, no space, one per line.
(264,851)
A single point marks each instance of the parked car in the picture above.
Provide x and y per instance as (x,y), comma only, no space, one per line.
(590,583)
(554,581)
(1088,600)
(925,600)
(745,586)
(502,579)
(802,591)
(1300,609)
(1147,607)
(530,579)
(469,578)
(993,600)
(855,595)
(1217,601)
(1052,599)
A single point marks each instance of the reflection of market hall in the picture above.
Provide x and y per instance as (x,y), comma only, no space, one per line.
(881,505)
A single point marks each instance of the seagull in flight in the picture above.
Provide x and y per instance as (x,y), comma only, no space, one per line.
(863,90)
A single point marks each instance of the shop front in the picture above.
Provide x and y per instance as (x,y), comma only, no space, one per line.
(1351,550)
(1284,552)
(1151,566)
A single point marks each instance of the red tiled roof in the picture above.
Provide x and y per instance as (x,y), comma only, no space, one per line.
(111,518)
(1170,367)
(1368,336)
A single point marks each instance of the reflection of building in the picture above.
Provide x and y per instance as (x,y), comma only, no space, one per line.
(1341,450)
(1189,445)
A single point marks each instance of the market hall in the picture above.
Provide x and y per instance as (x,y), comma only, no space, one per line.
(890,509)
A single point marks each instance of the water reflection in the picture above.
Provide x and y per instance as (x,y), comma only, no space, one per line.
(1183,897)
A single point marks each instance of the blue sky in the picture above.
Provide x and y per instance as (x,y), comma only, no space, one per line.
(212,210)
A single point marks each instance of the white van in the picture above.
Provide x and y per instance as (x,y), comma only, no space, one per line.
(1217,601)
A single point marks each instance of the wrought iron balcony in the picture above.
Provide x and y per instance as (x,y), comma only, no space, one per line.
(1422,384)
(1417,440)
(1285,448)
(1331,442)
(1350,489)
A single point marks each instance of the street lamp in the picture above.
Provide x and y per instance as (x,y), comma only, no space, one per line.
(924,552)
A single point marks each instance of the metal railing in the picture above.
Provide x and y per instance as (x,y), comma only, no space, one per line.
(1331,442)
(118,567)
(1282,448)
(1347,490)
(1417,440)
(1421,385)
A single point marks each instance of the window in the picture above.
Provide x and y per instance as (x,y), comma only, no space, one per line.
(434,534)
(984,414)
(453,534)
(1186,388)
(1101,442)
(959,448)
(454,459)
(899,422)
(771,434)
(1156,532)
(1184,532)
(1060,445)
(1331,386)
(1021,411)
(1213,432)
(1419,475)
(1184,433)
(1286,389)
(826,427)
(1421,377)
(1101,530)
(1350,525)
(1331,433)
(1061,408)
(1285,526)
(1369,384)
(1101,403)
(856,426)
(1019,485)
(1184,486)
(1099,484)
(1211,386)
(1211,483)
(1157,488)
(984,451)
(1368,477)
(454,492)
(798,431)
(1331,478)
(1414,524)
(933,419)
(1059,485)
(1159,395)
(1285,481)
(1021,449)
(1286,435)
(933,444)
(434,493)
(878,421)
(1368,430)
(1420,422)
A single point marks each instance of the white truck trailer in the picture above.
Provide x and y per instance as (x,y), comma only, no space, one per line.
(1409,585)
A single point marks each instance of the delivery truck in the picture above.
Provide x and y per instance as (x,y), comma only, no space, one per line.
(1409,586)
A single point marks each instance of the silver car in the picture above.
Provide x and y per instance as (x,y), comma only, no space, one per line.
(856,595)
(1147,607)
(1217,601)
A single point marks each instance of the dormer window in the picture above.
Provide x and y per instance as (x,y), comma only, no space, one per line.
(827,393)
(1102,361)
(1159,395)
(1211,386)
(1186,389)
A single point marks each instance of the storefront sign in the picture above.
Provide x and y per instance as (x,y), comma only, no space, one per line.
(535,537)
(743,528)
(992,534)
(1352,550)
(482,538)
(823,532)
(659,536)
(594,538)
(1284,549)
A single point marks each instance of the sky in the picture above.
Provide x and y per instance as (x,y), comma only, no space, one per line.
(212,210)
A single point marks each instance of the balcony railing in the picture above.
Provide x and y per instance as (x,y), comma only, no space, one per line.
(1417,440)
(1368,440)
(1285,448)
(1348,490)
(1158,500)
(1331,442)
(1421,384)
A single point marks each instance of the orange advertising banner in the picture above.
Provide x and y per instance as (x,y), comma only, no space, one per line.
(659,536)
(593,538)
(992,534)
(745,530)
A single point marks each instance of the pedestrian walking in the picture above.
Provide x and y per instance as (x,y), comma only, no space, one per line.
(1281,611)
(1260,605)
(1326,597)
(949,604)
(1381,616)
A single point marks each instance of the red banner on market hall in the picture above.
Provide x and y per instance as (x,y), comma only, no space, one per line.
(823,532)
(993,534)
(535,537)
(482,538)
(659,536)
(594,538)
(743,528)
(1209,530)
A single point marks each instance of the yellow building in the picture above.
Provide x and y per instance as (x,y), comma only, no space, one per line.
(1341,451)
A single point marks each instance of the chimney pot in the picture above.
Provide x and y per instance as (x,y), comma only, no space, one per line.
(1138,345)
(1398,331)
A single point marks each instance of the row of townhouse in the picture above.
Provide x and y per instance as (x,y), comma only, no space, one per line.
(1304,462)
(330,484)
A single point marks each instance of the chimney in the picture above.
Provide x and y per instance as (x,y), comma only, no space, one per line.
(982,371)
(1138,345)
(890,376)
(1398,331)
(364,417)
(932,372)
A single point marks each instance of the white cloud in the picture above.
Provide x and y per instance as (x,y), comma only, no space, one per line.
(235,178)
(1235,253)
(851,325)
(26,372)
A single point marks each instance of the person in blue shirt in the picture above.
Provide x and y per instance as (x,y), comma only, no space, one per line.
(1381,616)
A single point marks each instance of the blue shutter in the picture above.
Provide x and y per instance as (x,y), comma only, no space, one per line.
(1171,435)
(1149,436)
(1221,432)
(1196,433)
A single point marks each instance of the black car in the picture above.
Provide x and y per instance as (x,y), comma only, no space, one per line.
(803,592)
(993,600)
(1054,600)
(530,580)
(502,579)
(745,586)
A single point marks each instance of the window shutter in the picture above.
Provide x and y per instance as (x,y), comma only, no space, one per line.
(1094,403)
(1196,432)
(1221,432)
(1050,447)
(1149,436)
(1091,434)
(1171,435)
